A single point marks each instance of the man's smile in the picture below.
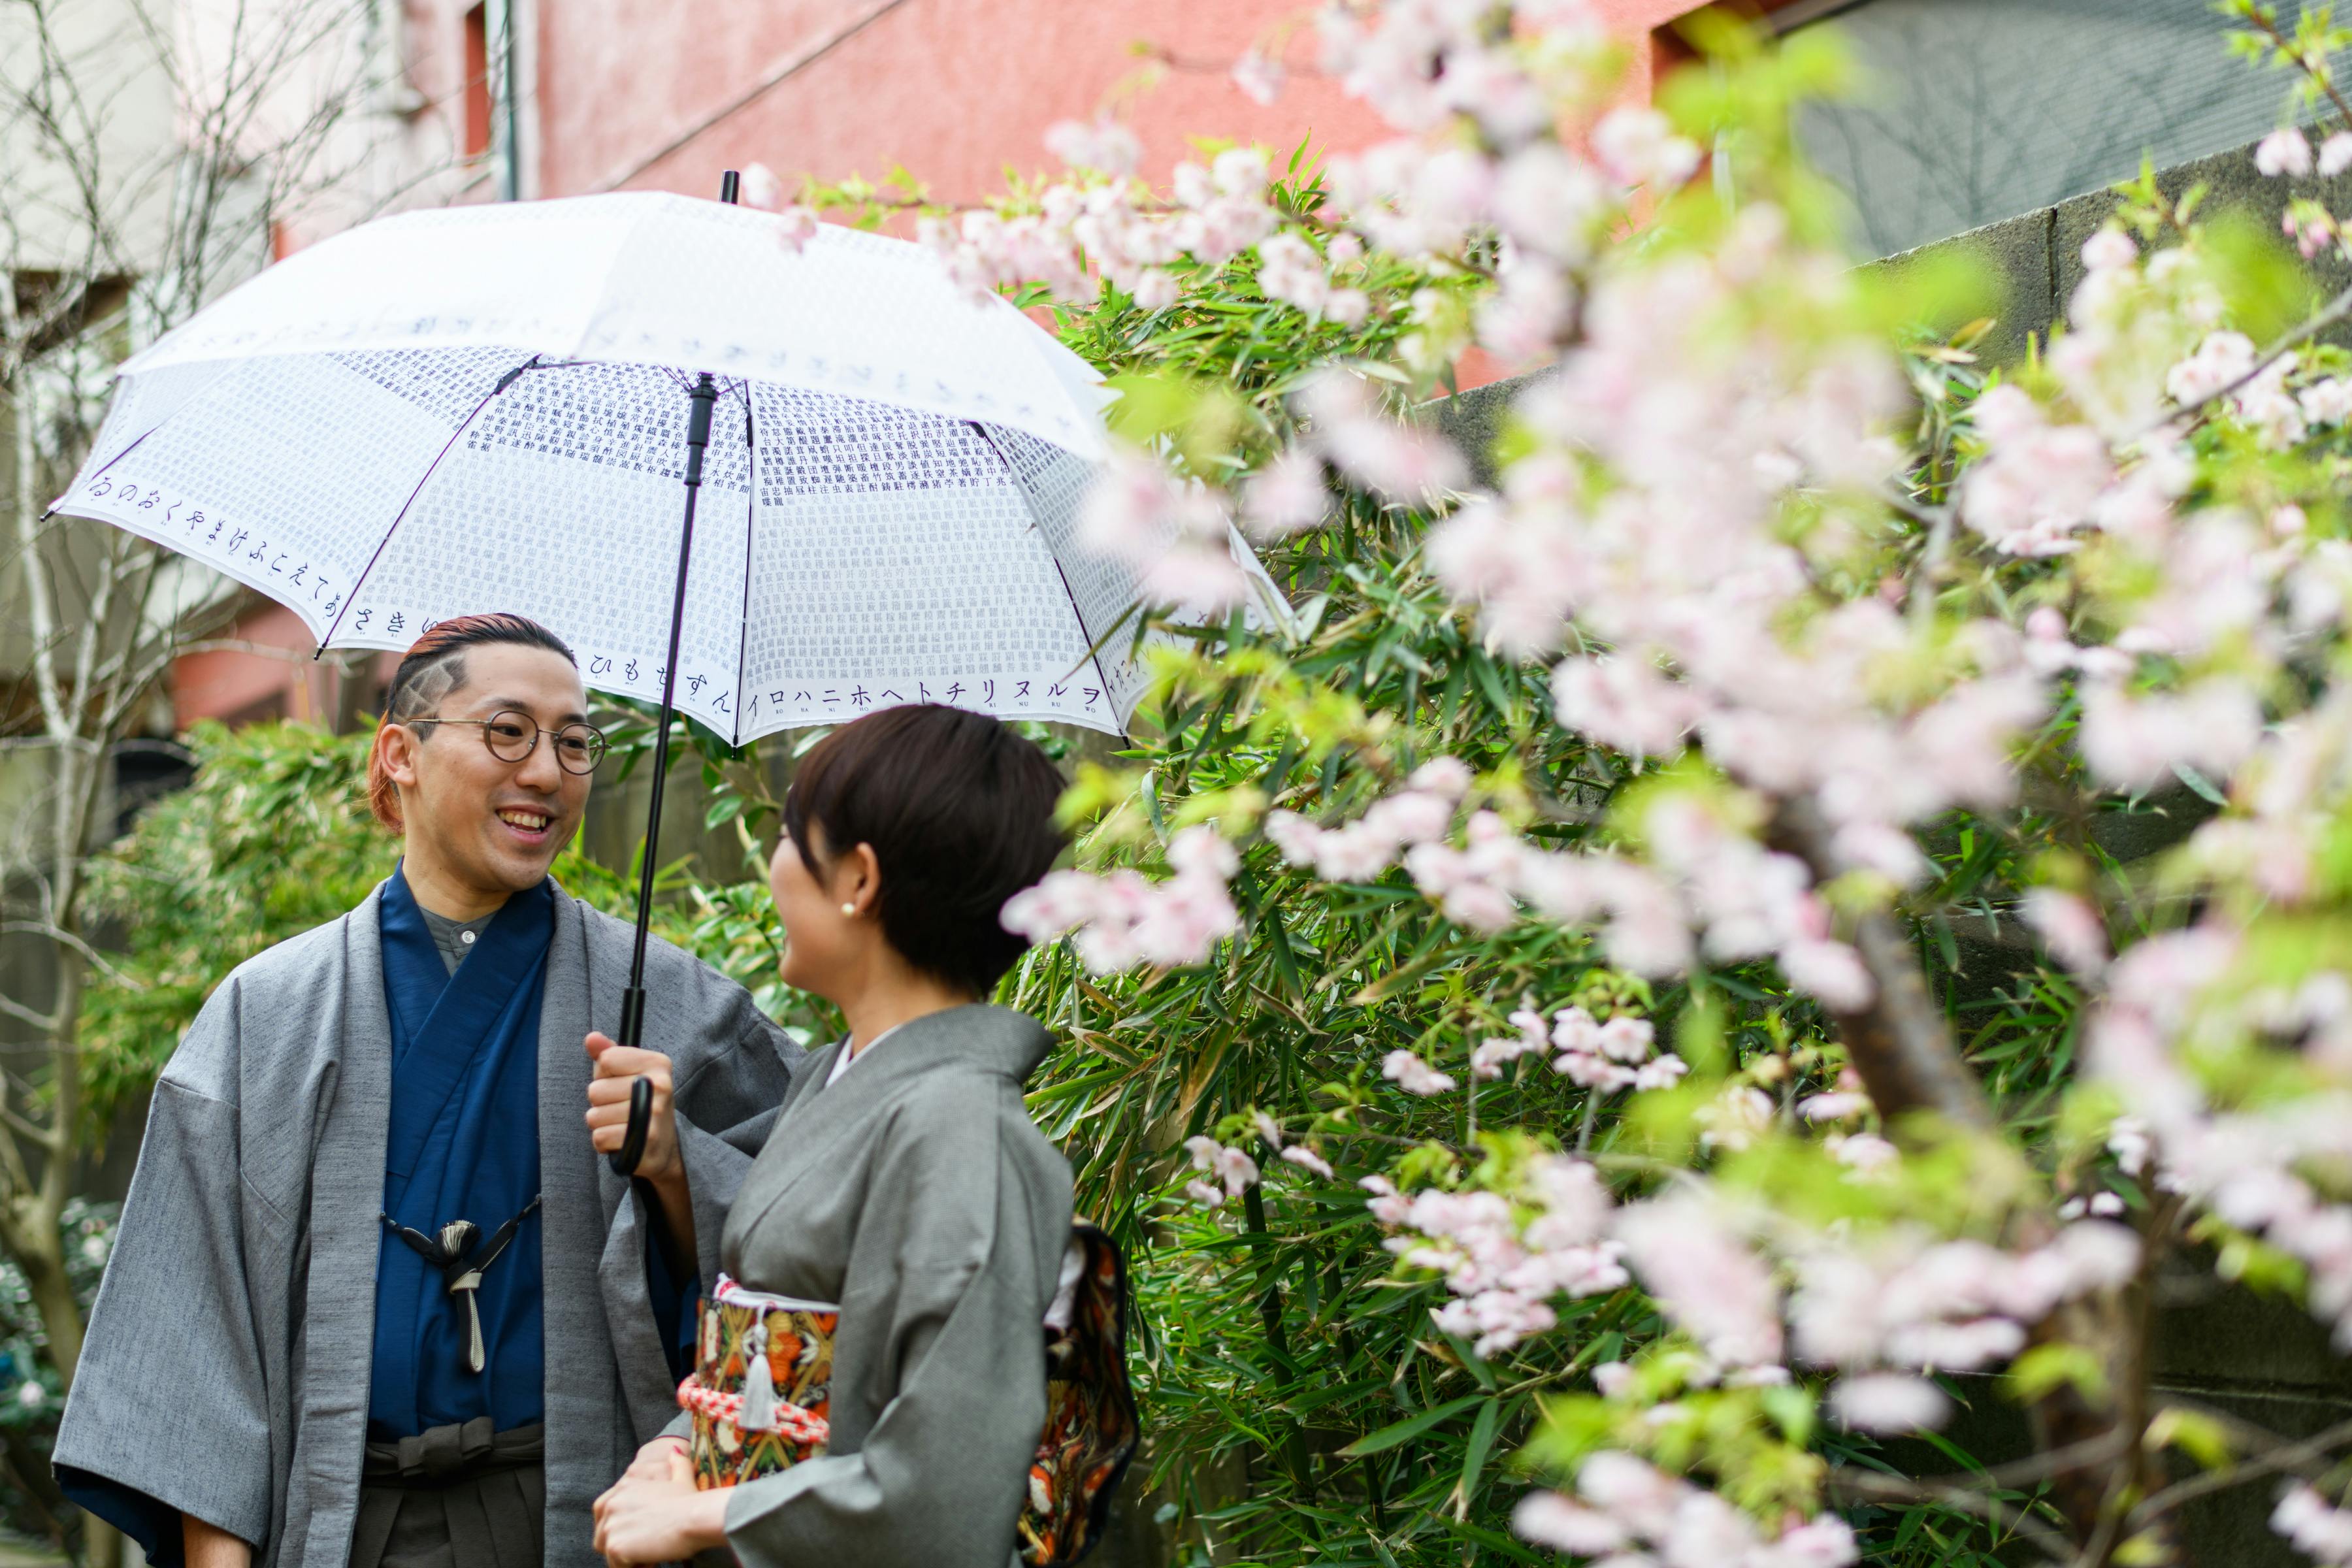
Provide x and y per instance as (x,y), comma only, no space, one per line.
(529,823)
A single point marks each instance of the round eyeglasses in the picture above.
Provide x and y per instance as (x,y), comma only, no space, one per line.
(512,736)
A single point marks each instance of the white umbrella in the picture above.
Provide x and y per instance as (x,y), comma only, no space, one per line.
(504,408)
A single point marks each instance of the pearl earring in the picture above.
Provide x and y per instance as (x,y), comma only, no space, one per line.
(849,910)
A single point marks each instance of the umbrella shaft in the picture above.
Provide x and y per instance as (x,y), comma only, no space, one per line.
(697,436)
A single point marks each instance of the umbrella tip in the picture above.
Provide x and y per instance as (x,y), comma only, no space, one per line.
(730,184)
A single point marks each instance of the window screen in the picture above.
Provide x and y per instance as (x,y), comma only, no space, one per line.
(1974,111)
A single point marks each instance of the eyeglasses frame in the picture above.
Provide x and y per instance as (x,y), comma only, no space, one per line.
(601,744)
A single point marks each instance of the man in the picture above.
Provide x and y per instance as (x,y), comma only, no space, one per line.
(376,1297)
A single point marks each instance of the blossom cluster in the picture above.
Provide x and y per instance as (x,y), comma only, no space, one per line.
(1102,222)
(1126,919)
(1902,1300)
(1708,529)
(1505,1257)
(1619,1054)
(2260,1166)
(2318,1529)
(1631,1514)
(1232,1167)
(1226,1172)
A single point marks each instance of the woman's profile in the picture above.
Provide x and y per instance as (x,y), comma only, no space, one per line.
(872,1376)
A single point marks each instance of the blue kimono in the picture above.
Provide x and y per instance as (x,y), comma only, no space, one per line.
(463,1144)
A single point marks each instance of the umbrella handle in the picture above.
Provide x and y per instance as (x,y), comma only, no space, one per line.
(625,1159)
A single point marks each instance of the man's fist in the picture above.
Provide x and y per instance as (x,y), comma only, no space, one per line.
(617,1069)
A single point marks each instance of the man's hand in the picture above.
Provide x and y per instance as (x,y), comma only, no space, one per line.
(661,1167)
(209,1546)
(659,1518)
(617,1067)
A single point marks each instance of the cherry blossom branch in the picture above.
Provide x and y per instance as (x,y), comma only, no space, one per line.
(1898,1041)
(1865,1487)
(2268,26)
(2337,309)
(2302,1457)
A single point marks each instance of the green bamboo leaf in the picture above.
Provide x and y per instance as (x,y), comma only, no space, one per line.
(1492,1540)
(1482,1439)
(1413,1427)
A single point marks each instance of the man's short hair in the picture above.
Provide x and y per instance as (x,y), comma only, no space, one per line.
(958,808)
(433,667)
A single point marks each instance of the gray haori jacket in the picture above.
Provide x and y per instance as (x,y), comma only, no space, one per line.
(916,1194)
(227,1369)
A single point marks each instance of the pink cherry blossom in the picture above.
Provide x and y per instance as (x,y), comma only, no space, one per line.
(1550,1520)
(1233,1167)
(1552,202)
(2222,359)
(2109,248)
(1403,462)
(1638,147)
(2134,741)
(1412,1075)
(1285,496)
(1706,1277)
(2285,151)
(1259,76)
(1888,1403)
(1106,146)
(1624,703)
(1308,1160)
(1866,1154)
(2076,935)
(2320,1530)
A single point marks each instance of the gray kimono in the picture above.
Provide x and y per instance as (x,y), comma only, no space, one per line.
(227,1369)
(916,1193)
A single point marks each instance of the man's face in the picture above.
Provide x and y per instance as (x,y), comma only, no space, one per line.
(488,825)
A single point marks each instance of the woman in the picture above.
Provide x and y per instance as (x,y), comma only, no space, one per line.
(904,1180)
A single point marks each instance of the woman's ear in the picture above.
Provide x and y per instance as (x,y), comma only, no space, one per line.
(858,879)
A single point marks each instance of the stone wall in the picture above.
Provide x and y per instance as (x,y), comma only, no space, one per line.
(2030,265)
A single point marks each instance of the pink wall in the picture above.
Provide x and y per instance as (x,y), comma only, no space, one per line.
(954,89)
(231,683)
(641,93)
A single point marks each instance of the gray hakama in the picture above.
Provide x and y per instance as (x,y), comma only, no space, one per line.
(227,1369)
(916,1193)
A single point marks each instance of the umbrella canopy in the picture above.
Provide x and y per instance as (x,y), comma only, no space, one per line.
(485,408)
(519,407)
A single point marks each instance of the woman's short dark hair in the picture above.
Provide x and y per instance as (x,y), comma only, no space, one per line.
(958,808)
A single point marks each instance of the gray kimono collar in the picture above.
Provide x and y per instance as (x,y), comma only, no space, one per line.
(816,1124)
(997,1040)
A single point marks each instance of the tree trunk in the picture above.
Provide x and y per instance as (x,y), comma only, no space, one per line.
(1902,1047)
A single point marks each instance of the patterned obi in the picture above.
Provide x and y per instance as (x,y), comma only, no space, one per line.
(763,1384)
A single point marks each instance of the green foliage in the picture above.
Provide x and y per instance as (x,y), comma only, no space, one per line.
(1285,1342)
(274,837)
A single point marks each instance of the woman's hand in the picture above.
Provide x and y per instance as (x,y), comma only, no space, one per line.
(655,1515)
(653,1460)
